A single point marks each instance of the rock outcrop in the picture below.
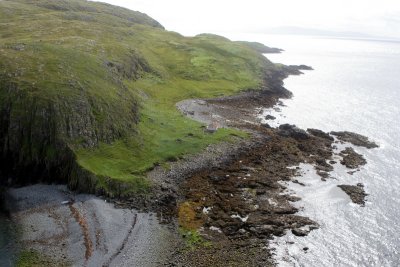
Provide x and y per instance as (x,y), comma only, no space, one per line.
(355,192)
(352,159)
(355,139)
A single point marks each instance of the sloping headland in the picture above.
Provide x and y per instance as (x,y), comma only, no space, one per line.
(88,93)
(107,101)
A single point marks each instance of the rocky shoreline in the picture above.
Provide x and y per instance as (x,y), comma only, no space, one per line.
(226,202)
(242,204)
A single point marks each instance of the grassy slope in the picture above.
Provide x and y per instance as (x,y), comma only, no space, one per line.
(58,54)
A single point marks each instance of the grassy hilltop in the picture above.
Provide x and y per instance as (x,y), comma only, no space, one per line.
(88,92)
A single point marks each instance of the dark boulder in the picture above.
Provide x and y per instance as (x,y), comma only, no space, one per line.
(270,117)
(288,130)
(300,232)
(355,139)
(321,134)
(266,125)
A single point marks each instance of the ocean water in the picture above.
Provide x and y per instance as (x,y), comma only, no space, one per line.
(355,86)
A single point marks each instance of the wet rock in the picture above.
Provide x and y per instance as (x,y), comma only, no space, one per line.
(356,193)
(319,133)
(293,198)
(322,165)
(300,232)
(266,125)
(280,103)
(322,168)
(262,230)
(270,117)
(355,139)
(352,159)
(323,174)
(297,182)
(288,130)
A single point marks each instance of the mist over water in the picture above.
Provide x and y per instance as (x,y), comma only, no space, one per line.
(355,86)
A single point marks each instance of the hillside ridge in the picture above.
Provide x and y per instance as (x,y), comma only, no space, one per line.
(88,93)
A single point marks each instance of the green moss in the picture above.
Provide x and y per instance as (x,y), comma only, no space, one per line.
(103,81)
(193,239)
(30,258)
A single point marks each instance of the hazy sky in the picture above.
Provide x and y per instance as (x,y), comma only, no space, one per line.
(372,17)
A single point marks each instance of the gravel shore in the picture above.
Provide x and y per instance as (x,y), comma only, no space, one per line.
(83,230)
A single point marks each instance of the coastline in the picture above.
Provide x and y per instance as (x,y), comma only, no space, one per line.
(230,194)
(242,204)
(124,118)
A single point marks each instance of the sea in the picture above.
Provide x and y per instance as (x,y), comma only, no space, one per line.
(355,86)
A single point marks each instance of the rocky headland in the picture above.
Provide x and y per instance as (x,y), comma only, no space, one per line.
(164,129)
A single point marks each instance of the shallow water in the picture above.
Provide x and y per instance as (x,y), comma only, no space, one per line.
(355,86)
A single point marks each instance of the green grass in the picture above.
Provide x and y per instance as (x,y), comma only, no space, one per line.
(163,135)
(105,80)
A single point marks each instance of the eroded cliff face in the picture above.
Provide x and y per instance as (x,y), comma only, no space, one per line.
(58,93)
(39,132)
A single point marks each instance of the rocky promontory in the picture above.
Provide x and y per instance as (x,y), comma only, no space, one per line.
(262,48)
